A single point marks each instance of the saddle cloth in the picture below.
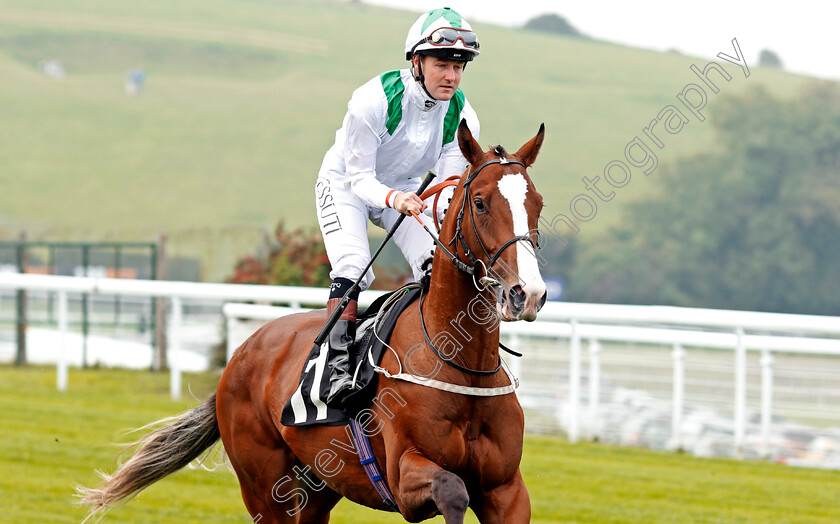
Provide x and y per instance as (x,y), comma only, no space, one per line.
(307,406)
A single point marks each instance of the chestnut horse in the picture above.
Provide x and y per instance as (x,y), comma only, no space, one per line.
(448,441)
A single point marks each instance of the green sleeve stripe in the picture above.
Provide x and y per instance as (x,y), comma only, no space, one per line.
(453,117)
(394,89)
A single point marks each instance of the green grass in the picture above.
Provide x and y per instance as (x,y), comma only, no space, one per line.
(231,128)
(52,441)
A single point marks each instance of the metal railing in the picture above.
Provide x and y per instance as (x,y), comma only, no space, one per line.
(176,292)
(680,329)
(563,329)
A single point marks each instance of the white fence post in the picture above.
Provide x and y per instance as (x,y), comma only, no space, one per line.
(766,400)
(515,362)
(174,345)
(740,414)
(61,368)
(231,338)
(594,388)
(574,384)
(678,355)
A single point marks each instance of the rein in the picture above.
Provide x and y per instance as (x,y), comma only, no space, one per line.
(449,360)
(427,381)
(470,268)
(462,266)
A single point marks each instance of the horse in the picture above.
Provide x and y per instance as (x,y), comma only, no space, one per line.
(447,435)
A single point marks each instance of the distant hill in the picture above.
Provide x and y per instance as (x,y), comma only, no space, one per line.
(241,100)
(553,23)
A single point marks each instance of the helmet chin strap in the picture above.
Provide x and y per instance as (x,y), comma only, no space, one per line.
(418,76)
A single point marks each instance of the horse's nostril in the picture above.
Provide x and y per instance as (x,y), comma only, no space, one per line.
(517,297)
(542,300)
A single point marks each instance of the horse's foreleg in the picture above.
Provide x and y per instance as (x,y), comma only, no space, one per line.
(450,496)
(426,488)
(506,504)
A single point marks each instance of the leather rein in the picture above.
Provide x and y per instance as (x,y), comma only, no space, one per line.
(474,263)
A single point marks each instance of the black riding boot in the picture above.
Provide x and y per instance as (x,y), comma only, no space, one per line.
(340,357)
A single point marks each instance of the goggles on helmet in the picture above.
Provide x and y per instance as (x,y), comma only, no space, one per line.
(447,36)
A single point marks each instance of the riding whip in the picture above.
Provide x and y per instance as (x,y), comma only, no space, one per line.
(325,331)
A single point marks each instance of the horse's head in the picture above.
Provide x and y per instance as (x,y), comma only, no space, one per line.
(498,208)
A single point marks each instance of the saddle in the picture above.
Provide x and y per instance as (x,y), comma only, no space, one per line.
(307,406)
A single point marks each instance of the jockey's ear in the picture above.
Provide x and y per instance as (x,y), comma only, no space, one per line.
(527,154)
(469,147)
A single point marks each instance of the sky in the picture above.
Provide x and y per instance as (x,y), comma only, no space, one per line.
(803,34)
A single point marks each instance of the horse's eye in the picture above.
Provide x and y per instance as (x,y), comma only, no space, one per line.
(479,204)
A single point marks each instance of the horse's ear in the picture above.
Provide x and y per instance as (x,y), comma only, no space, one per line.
(527,154)
(469,147)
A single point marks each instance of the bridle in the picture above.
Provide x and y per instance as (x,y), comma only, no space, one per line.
(474,263)
(459,238)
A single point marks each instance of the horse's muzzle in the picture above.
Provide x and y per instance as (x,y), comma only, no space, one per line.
(522,303)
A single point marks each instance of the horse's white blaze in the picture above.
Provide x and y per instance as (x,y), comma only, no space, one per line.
(514,188)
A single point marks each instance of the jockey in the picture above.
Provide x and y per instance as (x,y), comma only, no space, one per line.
(398,126)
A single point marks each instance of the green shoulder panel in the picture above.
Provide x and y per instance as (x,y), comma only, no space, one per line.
(394,90)
(453,117)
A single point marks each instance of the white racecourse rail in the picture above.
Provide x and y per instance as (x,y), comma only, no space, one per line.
(677,328)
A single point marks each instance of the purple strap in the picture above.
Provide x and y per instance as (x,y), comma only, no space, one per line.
(370,466)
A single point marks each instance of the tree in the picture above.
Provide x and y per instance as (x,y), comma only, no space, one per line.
(298,258)
(768,58)
(753,224)
(552,23)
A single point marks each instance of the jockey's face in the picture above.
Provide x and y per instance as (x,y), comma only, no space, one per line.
(442,77)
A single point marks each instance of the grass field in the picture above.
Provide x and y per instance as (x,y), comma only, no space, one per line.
(243,98)
(52,441)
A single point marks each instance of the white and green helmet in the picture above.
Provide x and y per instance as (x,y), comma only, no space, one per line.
(442,33)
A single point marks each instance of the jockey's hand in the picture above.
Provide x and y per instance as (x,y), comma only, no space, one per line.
(406,202)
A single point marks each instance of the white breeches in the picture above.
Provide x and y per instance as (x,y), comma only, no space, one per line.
(343,221)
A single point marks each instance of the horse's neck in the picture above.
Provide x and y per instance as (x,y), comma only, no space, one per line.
(458,315)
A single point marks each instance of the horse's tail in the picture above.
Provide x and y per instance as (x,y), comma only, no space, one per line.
(161,452)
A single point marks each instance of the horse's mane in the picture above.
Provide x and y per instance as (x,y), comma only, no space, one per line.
(500,151)
(426,279)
